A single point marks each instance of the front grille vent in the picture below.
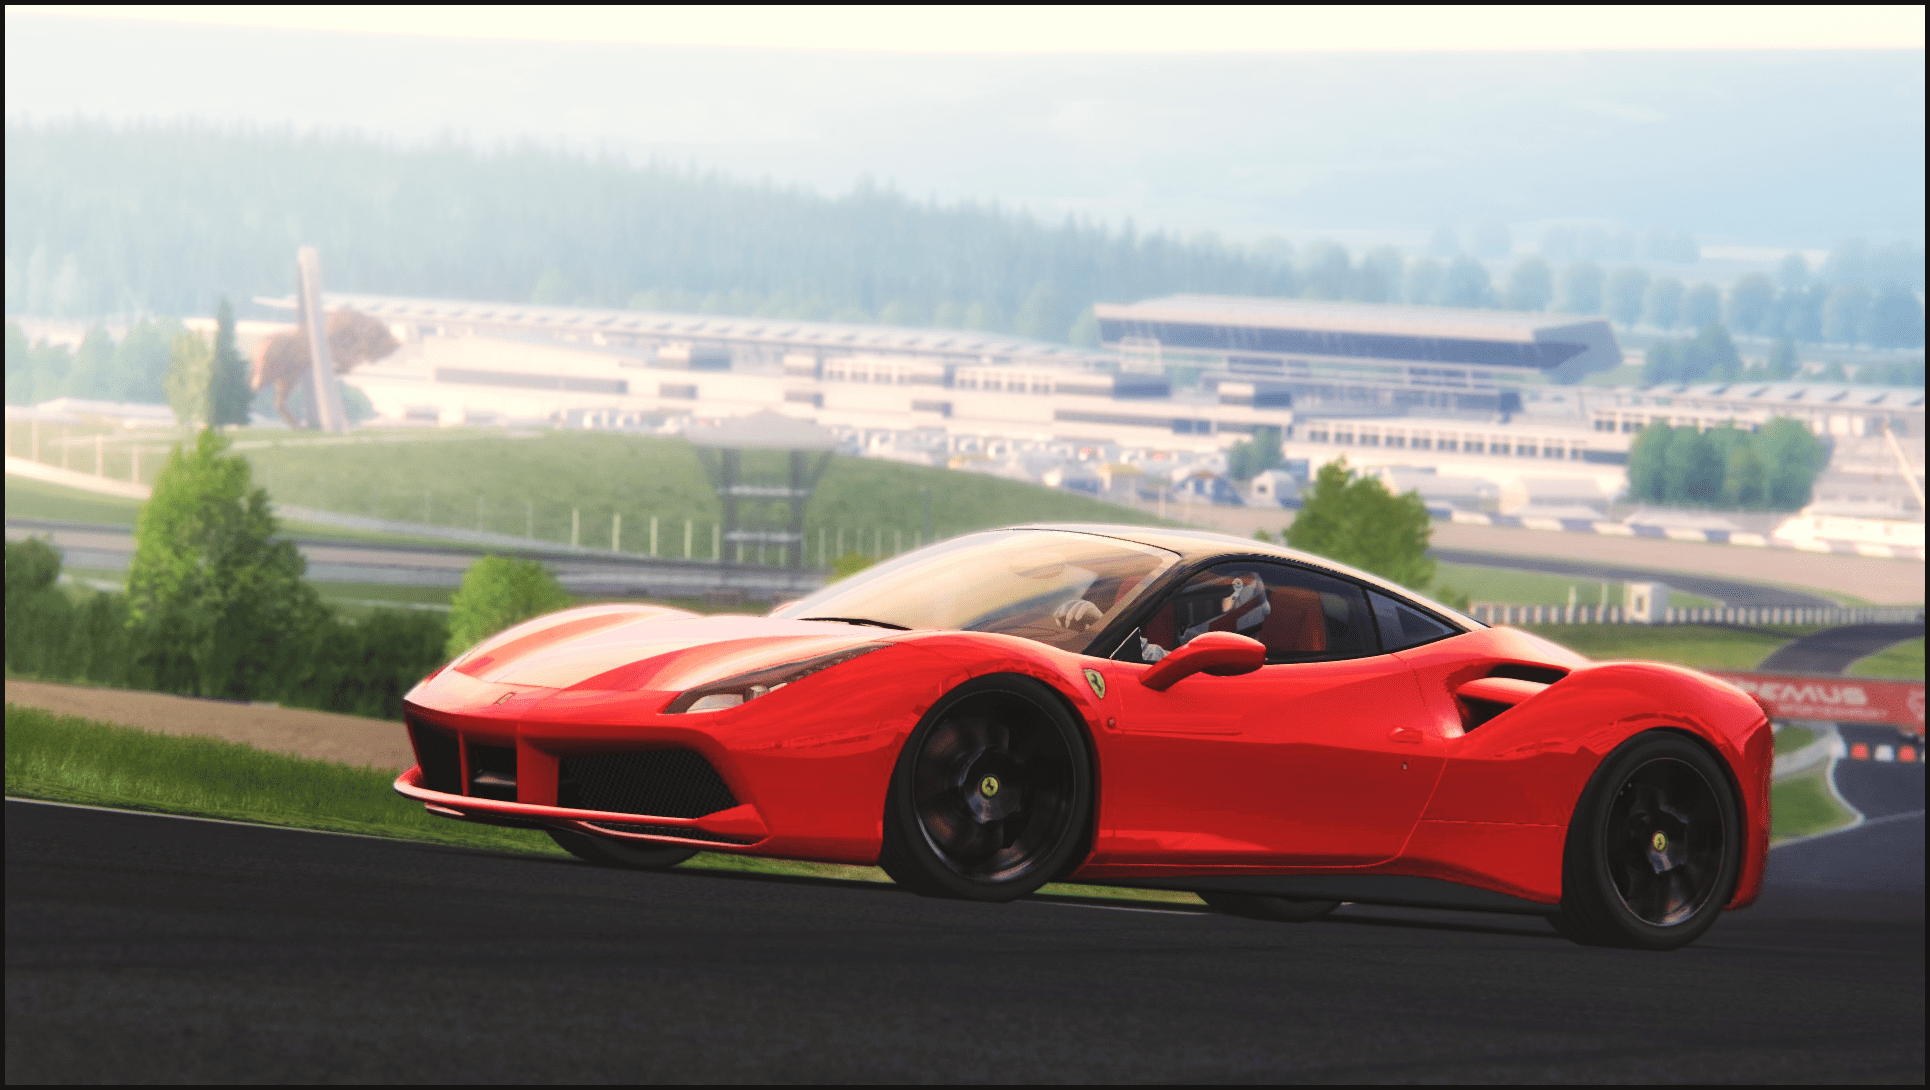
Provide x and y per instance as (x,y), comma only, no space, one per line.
(664,782)
(436,751)
(492,772)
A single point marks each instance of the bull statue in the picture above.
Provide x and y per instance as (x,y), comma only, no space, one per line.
(283,359)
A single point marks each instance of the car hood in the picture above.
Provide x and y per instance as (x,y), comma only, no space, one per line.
(660,650)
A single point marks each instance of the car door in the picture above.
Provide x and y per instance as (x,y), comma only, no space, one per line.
(1322,757)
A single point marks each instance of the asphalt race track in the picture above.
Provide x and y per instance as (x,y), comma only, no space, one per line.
(1730,592)
(144,948)
(1832,650)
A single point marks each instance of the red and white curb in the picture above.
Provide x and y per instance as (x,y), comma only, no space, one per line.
(1864,751)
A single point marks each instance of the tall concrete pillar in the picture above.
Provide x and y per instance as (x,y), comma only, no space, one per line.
(325,392)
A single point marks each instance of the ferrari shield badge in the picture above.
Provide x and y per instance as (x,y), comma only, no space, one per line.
(1098,682)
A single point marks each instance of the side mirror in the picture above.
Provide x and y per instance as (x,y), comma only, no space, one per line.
(1219,653)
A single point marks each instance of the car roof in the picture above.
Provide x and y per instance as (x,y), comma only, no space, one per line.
(1195,546)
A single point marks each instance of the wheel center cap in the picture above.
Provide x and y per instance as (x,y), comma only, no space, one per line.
(989,786)
(1660,842)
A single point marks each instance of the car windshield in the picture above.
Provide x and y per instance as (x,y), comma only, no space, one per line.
(1058,588)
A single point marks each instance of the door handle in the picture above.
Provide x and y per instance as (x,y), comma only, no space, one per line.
(1405,734)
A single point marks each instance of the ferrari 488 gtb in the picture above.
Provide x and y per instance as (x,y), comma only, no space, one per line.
(1127,706)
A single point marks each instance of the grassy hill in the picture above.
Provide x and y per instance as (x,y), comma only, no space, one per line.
(533,483)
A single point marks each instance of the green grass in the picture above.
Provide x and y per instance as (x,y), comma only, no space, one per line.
(1705,647)
(1792,738)
(1803,805)
(28,498)
(1901,660)
(68,759)
(532,485)
(1522,588)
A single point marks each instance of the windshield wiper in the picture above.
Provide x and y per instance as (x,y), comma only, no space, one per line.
(859,620)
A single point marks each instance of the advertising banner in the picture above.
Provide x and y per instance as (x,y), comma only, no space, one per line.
(1839,699)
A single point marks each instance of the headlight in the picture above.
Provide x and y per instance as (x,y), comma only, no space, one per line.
(744,688)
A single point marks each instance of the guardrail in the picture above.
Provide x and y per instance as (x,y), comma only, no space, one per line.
(1492,613)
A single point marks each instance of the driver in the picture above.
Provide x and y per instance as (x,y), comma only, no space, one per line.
(1243,609)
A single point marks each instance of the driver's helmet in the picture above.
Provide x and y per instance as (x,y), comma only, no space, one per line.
(1243,608)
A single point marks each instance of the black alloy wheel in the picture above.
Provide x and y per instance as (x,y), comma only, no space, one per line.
(990,797)
(1257,907)
(1654,849)
(610,852)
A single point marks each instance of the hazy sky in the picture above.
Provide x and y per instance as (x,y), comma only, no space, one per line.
(1759,126)
(1070,29)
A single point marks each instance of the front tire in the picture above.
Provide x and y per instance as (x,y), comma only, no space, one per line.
(606,852)
(1256,907)
(990,797)
(1654,847)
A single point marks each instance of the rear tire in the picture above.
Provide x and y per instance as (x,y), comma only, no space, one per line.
(1256,907)
(607,852)
(991,795)
(1654,848)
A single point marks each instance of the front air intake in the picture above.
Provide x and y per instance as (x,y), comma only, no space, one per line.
(660,782)
(439,755)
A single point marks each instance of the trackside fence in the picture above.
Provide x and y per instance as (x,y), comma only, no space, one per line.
(1491,613)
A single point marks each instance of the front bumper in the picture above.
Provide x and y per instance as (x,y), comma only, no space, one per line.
(739,828)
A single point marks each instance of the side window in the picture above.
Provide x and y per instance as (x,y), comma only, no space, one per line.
(1401,625)
(1301,616)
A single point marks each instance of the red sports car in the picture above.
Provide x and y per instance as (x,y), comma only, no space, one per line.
(1127,706)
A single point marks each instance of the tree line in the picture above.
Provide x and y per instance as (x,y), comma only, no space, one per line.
(217,606)
(167,218)
(1770,469)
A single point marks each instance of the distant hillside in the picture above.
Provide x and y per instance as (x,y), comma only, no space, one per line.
(165,219)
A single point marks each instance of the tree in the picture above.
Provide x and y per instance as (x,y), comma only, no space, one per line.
(215,597)
(1701,305)
(1627,287)
(190,379)
(1745,482)
(230,396)
(1751,300)
(1782,363)
(1325,270)
(1645,457)
(1530,285)
(1662,364)
(1491,239)
(1466,284)
(1252,457)
(1422,285)
(1846,314)
(93,374)
(142,359)
(1578,290)
(1896,319)
(1662,302)
(1712,355)
(1792,458)
(1692,469)
(37,614)
(1377,279)
(1356,521)
(19,367)
(1042,316)
(497,592)
(1792,273)
(1084,332)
